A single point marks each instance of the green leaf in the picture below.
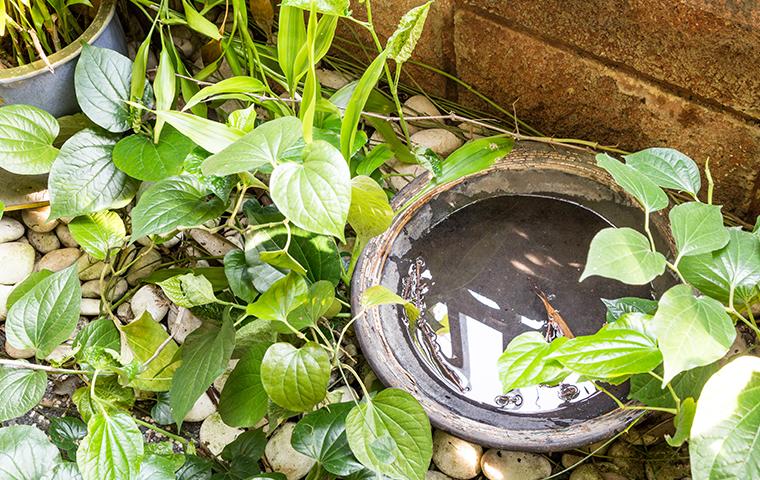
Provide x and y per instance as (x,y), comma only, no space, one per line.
(667,168)
(204,355)
(244,401)
(27,284)
(109,395)
(377,157)
(47,314)
(401,44)
(683,422)
(319,299)
(244,453)
(64,471)
(98,233)
(164,88)
(26,139)
(296,378)
(330,7)
(188,290)
(215,275)
(22,390)
(648,390)
(112,449)
(620,306)
(83,178)
(697,228)
(644,190)
(380,295)
(370,213)
(609,353)
(391,435)
(733,268)
(26,453)
(356,103)
(315,194)
(140,158)
(290,41)
(282,298)
(195,468)
(321,435)
(726,426)
(264,146)
(199,23)
(625,255)
(172,203)
(208,134)
(66,432)
(473,157)
(691,331)
(239,87)
(139,69)
(524,364)
(144,336)
(238,275)
(102,82)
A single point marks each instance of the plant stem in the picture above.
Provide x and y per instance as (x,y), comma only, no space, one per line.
(44,368)
(622,406)
(163,432)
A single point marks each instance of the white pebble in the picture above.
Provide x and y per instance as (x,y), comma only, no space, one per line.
(5,291)
(216,435)
(283,458)
(211,242)
(455,457)
(58,260)
(506,465)
(124,312)
(202,408)
(10,229)
(89,307)
(150,298)
(182,322)
(433,475)
(60,354)
(18,353)
(37,219)
(43,242)
(17,260)
(439,140)
(144,266)
(89,268)
(65,236)
(332,78)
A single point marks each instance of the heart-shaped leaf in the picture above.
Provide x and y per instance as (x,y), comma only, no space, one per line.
(238,275)
(370,213)
(667,168)
(524,363)
(112,449)
(26,139)
(282,298)
(66,432)
(188,290)
(620,306)
(22,390)
(244,401)
(296,378)
(623,254)
(697,228)
(315,194)
(26,453)
(98,232)
(391,435)
(318,301)
(647,192)
(648,390)
(144,337)
(140,158)
(691,331)
(102,82)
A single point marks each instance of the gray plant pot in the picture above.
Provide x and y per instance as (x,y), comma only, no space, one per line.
(34,84)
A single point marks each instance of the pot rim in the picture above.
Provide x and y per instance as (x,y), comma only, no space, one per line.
(103,16)
(390,370)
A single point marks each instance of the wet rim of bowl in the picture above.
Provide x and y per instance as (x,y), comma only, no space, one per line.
(103,15)
(391,370)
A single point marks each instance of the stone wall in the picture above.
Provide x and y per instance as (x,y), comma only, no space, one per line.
(631,73)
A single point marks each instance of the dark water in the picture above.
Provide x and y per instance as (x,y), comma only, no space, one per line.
(476,277)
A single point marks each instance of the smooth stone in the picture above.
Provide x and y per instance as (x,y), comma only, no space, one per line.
(124,312)
(626,458)
(150,298)
(439,140)
(182,323)
(58,260)
(89,307)
(596,448)
(5,291)
(222,379)
(283,458)
(43,242)
(236,239)
(17,260)
(37,219)
(65,236)
(10,229)
(419,106)
(332,78)
(144,266)
(18,353)
(91,289)
(90,268)
(455,457)
(471,131)
(168,241)
(613,476)
(586,472)
(569,460)
(412,169)
(201,410)
(214,244)
(60,354)
(216,435)
(506,465)
(433,475)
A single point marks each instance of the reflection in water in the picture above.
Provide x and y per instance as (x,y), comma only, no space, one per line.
(496,269)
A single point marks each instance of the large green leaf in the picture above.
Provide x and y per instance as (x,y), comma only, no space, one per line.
(319,300)
(355,105)
(144,336)
(100,334)
(173,203)
(244,401)
(609,353)
(330,7)
(697,228)
(691,331)
(648,389)
(26,139)
(21,390)
(726,426)
(102,82)
(26,453)
(210,135)
(47,314)
(733,268)
(239,87)
(282,298)
(66,432)
(391,435)
(263,146)
(667,168)
(139,157)
(238,275)
(370,213)
(648,193)
(99,232)
(401,44)
(83,178)
(108,395)
(296,378)
(623,254)
(524,363)
(112,449)
(204,355)
(321,435)
(188,290)
(315,194)
(620,306)
(244,453)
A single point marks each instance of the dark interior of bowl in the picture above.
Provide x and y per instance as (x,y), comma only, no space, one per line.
(486,261)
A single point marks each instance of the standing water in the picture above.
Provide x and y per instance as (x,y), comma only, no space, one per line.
(498,268)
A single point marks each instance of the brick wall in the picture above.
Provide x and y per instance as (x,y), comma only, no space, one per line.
(632,73)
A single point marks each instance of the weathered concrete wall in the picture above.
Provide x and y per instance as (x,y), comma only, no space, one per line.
(633,73)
